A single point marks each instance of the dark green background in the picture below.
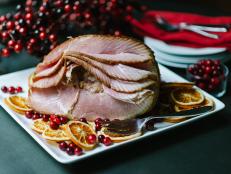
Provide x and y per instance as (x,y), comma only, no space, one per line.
(201,147)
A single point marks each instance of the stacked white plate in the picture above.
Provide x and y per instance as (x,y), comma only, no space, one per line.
(181,57)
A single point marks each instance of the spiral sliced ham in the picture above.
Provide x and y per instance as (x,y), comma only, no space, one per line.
(96,76)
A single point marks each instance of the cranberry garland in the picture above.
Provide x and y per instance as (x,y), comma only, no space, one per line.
(36,25)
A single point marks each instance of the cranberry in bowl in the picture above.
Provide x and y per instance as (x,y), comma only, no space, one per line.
(209,75)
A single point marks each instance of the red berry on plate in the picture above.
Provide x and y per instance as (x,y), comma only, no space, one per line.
(52,117)
(63,119)
(63,146)
(91,139)
(19,89)
(70,151)
(29,114)
(78,151)
(107,141)
(35,116)
(72,145)
(57,120)
(191,69)
(4,89)
(82,119)
(98,120)
(98,126)
(11,90)
(101,138)
(46,117)
(54,125)
(10,25)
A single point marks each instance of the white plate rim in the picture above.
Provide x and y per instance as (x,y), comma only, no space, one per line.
(180,50)
(218,106)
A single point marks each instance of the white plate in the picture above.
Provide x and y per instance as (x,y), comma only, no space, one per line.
(190,59)
(20,78)
(171,64)
(180,50)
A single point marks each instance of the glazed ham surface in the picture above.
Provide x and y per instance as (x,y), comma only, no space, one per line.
(96,76)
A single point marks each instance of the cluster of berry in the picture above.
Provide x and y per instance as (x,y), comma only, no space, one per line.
(36,24)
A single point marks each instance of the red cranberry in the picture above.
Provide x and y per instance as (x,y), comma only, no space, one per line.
(46,117)
(19,89)
(29,114)
(33,41)
(67,8)
(215,81)
(78,151)
(208,62)
(72,145)
(28,16)
(35,116)
(98,126)
(191,69)
(11,43)
(42,35)
(63,119)
(18,48)
(54,125)
(63,146)
(10,25)
(5,35)
(107,141)
(201,85)
(217,62)
(5,52)
(52,117)
(101,138)
(52,37)
(11,90)
(215,73)
(23,31)
(70,151)
(83,120)
(4,89)
(208,69)
(98,120)
(91,139)
(57,120)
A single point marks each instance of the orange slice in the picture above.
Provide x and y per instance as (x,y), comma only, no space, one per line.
(39,125)
(118,137)
(177,85)
(78,133)
(187,96)
(206,102)
(55,135)
(17,104)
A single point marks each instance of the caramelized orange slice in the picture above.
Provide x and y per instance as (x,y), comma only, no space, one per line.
(187,96)
(39,125)
(118,137)
(17,104)
(55,135)
(78,133)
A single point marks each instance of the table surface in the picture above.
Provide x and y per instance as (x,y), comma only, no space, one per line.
(201,147)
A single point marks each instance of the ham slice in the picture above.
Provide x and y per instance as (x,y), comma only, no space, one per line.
(102,105)
(134,98)
(118,85)
(96,76)
(50,81)
(54,100)
(118,71)
(49,71)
